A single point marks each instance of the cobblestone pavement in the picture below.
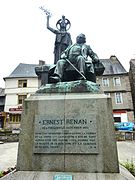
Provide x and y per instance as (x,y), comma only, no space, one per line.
(8,153)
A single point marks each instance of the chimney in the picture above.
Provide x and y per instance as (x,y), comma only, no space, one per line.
(113,57)
(41,62)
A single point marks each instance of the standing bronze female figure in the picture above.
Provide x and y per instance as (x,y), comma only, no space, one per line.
(63,38)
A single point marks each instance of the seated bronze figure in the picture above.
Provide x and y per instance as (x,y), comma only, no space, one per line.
(77,62)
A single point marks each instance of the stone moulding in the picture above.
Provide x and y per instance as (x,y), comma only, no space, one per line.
(70,87)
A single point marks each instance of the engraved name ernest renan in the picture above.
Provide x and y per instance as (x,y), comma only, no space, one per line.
(65,135)
(62,121)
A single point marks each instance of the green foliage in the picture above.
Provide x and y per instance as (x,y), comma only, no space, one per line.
(1,174)
(130,166)
(116,128)
(5,172)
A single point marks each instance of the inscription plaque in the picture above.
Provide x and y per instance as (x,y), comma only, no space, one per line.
(63,177)
(65,135)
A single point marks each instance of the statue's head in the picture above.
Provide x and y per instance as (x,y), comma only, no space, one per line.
(81,39)
(63,24)
(63,17)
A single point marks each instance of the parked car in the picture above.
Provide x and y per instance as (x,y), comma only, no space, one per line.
(125,126)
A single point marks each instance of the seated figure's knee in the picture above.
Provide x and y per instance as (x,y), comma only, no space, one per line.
(80,60)
(61,61)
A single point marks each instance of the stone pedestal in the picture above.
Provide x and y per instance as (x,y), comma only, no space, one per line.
(67,132)
(38,175)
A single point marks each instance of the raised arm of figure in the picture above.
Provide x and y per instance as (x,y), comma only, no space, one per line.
(48,26)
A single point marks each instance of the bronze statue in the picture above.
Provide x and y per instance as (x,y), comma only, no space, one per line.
(63,38)
(76,57)
(72,61)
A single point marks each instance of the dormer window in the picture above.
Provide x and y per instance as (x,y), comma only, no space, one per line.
(22,83)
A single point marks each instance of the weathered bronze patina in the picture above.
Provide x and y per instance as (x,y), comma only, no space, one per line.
(70,87)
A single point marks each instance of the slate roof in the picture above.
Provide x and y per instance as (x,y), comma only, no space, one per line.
(113,66)
(23,70)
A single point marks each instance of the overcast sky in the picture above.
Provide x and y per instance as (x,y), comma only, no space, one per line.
(109,26)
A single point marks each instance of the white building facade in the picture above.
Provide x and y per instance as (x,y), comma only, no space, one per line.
(18,86)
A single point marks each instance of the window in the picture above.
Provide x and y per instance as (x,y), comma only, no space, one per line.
(14,118)
(105,81)
(21,98)
(117,119)
(22,83)
(116,81)
(118,98)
